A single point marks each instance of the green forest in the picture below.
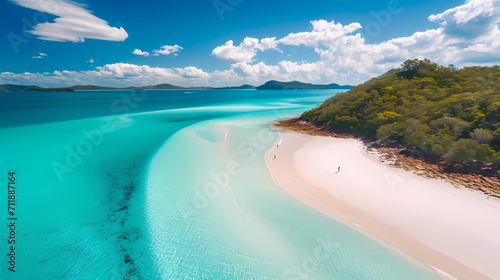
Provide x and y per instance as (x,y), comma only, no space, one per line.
(441,110)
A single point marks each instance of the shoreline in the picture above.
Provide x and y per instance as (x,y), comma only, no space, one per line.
(399,156)
(428,219)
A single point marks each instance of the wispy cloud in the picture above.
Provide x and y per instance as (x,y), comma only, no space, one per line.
(167,49)
(163,50)
(40,56)
(74,22)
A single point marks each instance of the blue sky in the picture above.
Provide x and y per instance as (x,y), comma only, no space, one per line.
(231,42)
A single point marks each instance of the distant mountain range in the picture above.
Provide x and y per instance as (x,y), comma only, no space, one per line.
(271,85)
(30,88)
(276,85)
(92,87)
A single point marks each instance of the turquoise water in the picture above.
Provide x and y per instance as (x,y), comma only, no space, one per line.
(168,185)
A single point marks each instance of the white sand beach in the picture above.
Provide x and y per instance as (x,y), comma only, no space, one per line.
(454,230)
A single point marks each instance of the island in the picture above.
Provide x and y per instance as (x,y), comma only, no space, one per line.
(294,85)
(8,88)
(440,114)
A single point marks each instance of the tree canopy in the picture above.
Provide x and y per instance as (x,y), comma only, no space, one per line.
(441,110)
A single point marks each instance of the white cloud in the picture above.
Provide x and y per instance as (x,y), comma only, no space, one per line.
(132,71)
(259,73)
(467,34)
(40,56)
(74,22)
(324,33)
(139,52)
(192,73)
(91,61)
(268,43)
(166,50)
(118,74)
(245,51)
(256,70)
(470,21)
(471,10)
(463,35)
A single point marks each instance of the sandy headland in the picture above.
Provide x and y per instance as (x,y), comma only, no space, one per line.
(454,229)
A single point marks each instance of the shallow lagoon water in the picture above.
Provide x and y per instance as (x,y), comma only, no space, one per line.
(178,189)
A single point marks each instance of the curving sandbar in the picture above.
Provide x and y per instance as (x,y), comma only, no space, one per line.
(455,230)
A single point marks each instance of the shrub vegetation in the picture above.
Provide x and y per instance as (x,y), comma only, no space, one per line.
(442,110)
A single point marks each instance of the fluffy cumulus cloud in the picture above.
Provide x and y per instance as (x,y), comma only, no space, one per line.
(139,52)
(343,56)
(245,51)
(192,73)
(471,20)
(147,74)
(468,34)
(73,22)
(324,33)
(464,35)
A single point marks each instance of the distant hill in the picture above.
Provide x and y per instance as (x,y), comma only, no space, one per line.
(240,87)
(92,87)
(276,85)
(30,88)
(162,86)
